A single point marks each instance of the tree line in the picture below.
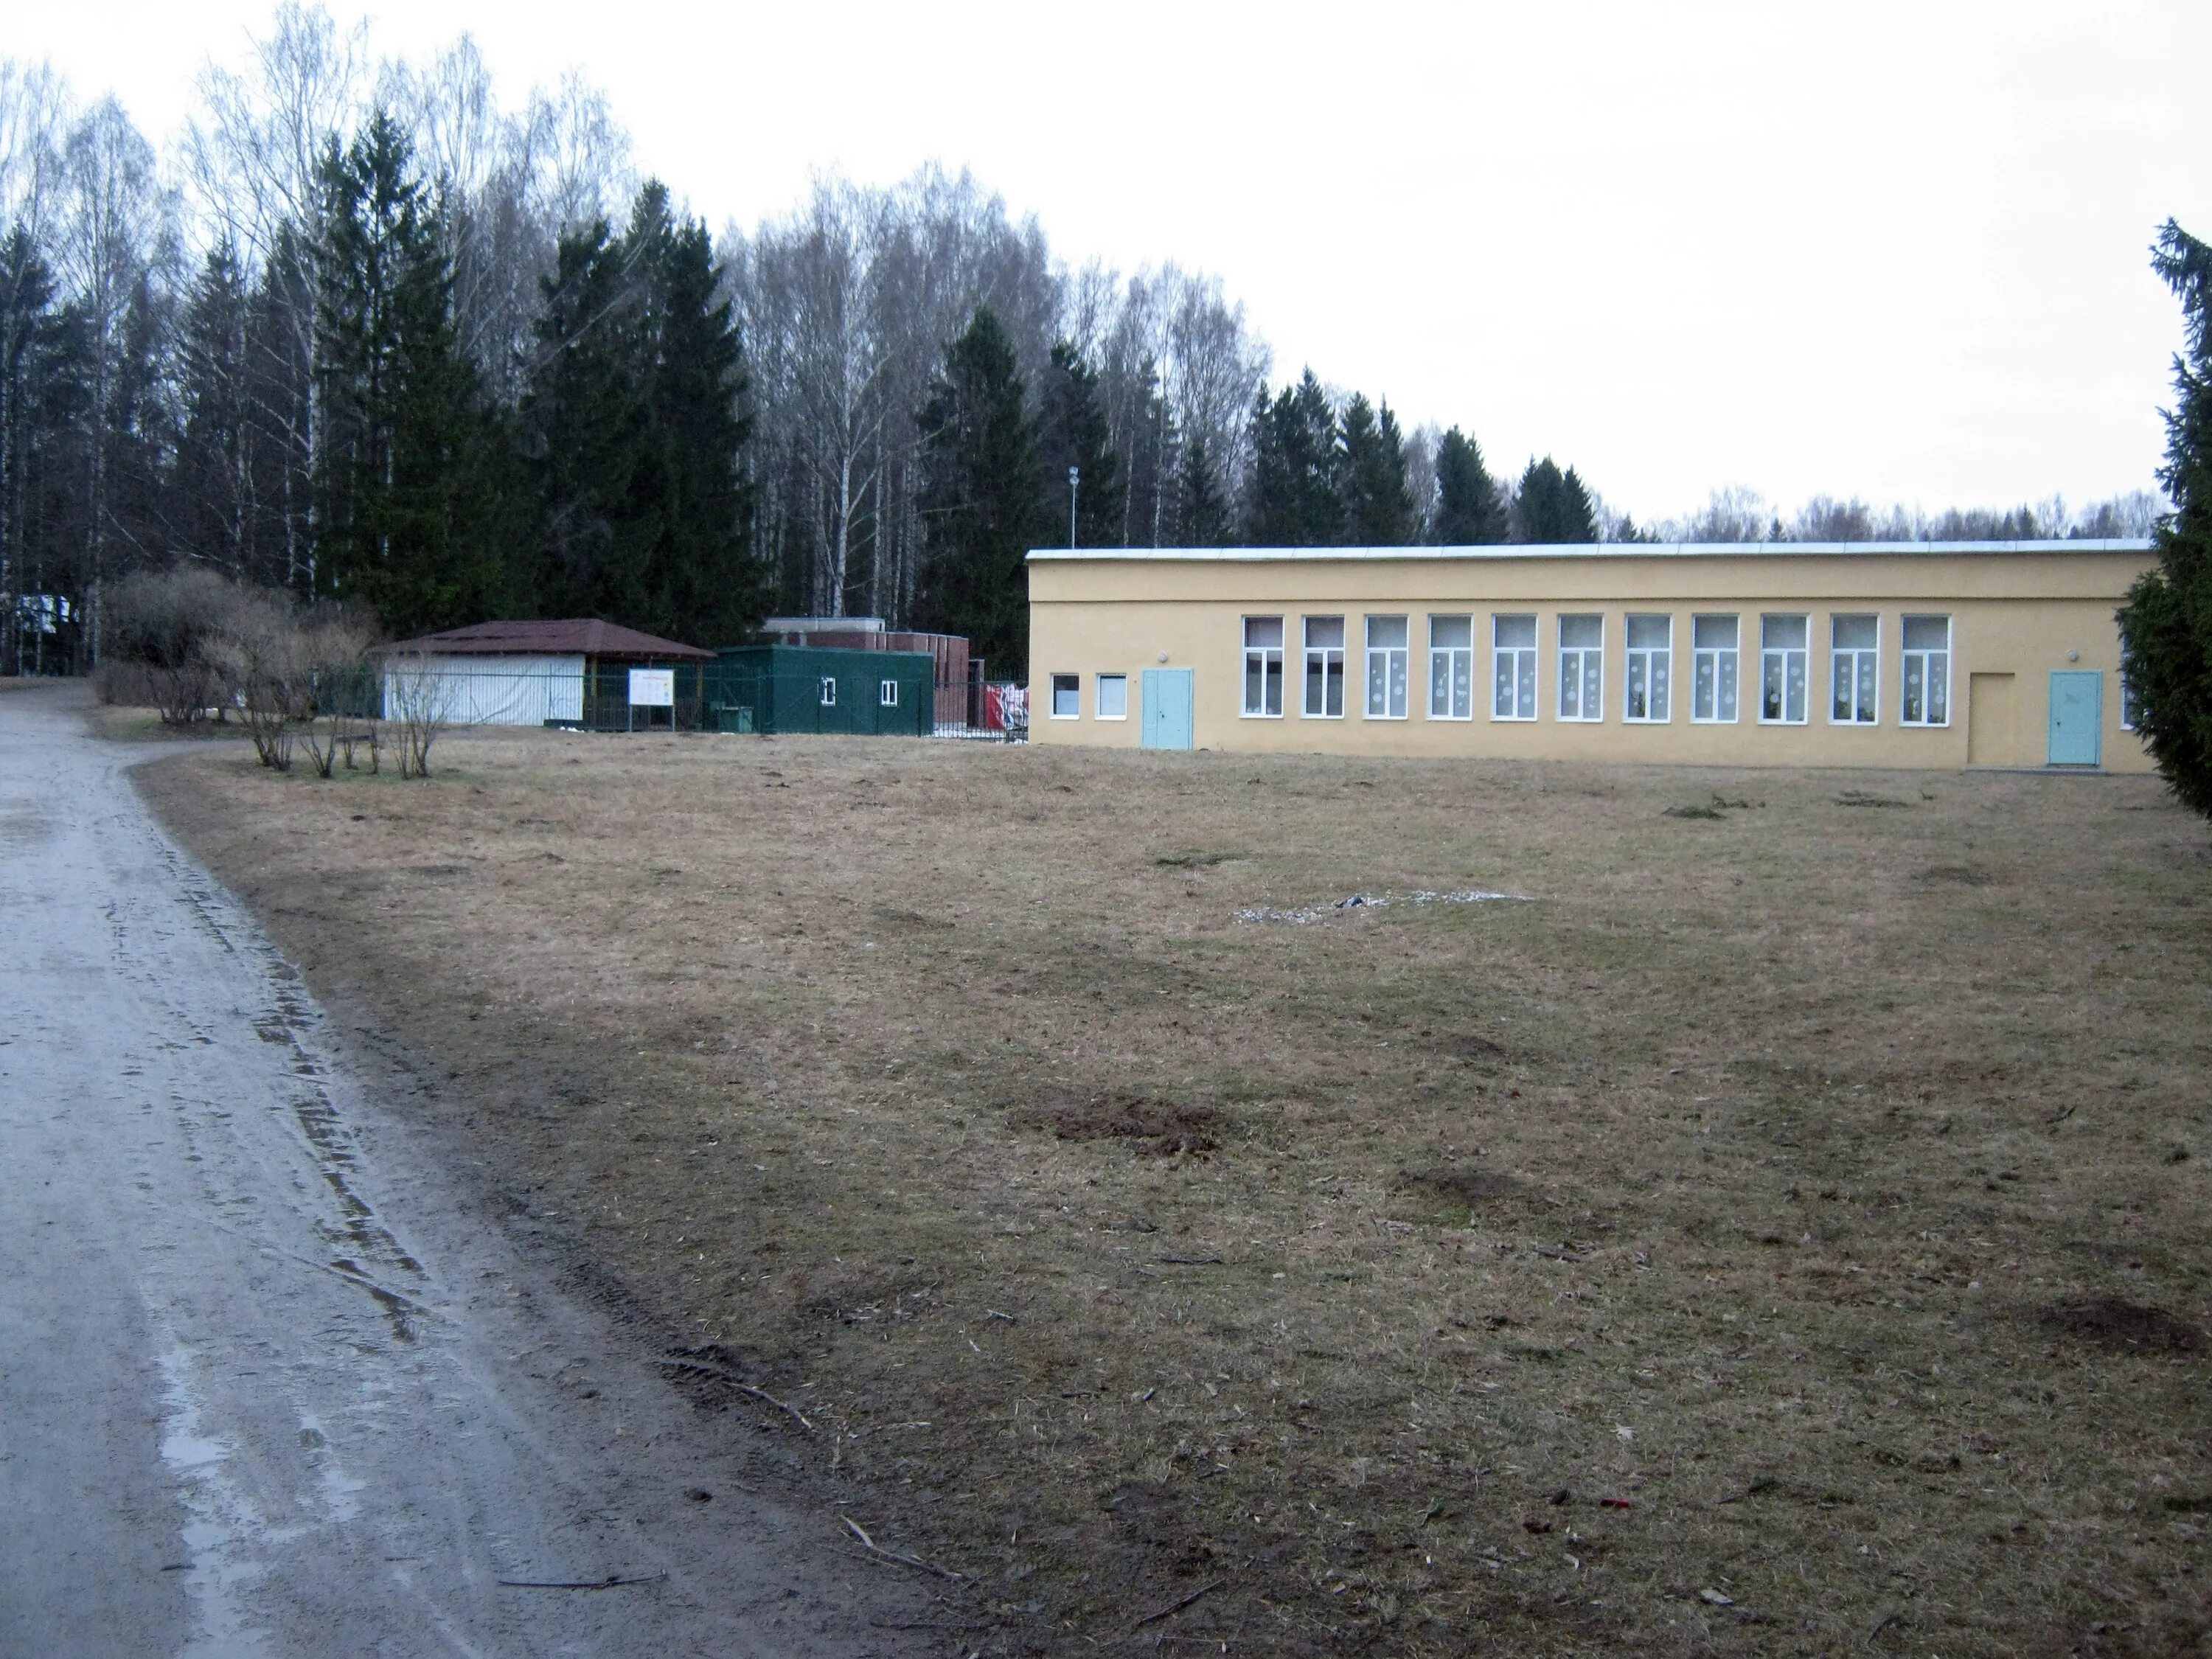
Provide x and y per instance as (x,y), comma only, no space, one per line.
(366,336)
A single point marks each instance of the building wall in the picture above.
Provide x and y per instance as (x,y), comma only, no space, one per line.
(496,691)
(781,689)
(2018,614)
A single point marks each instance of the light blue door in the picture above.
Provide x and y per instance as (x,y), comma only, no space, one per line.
(2077,714)
(1167,708)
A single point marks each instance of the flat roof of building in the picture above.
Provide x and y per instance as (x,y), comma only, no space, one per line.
(2128,544)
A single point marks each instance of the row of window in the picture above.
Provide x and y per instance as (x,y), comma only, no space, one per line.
(1716,648)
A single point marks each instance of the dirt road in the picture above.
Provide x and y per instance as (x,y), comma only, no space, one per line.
(267,1386)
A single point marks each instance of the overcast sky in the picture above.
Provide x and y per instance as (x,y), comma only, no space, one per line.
(1895,250)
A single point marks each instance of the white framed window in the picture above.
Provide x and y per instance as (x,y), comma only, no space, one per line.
(829,691)
(1854,670)
(887,694)
(1647,696)
(1715,663)
(1582,668)
(1066,696)
(1927,654)
(1263,667)
(1112,699)
(1324,668)
(1451,668)
(1782,670)
(1513,668)
(1388,668)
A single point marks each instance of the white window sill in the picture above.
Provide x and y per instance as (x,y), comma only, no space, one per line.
(1452,720)
(1646,719)
(1112,718)
(1513,719)
(1305,715)
(1715,719)
(1391,719)
(1250,715)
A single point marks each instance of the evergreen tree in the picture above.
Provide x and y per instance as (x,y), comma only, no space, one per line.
(1554,507)
(403,520)
(213,507)
(583,414)
(1377,507)
(699,584)
(45,413)
(1296,469)
(2165,626)
(635,430)
(27,342)
(979,498)
(1202,511)
(1468,511)
(1072,432)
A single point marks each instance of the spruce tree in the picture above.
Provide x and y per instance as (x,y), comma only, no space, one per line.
(1202,513)
(1377,507)
(29,339)
(2165,627)
(1470,513)
(634,427)
(1297,467)
(700,586)
(1554,507)
(980,490)
(213,498)
(583,417)
(404,518)
(1072,432)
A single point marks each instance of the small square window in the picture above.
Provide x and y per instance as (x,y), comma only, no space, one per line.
(829,691)
(1113,696)
(1066,696)
(887,694)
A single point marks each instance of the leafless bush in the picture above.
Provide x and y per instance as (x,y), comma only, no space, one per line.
(418,701)
(334,654)
(171,626)
(266,656)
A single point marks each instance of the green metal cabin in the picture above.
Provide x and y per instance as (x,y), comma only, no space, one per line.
(803,688)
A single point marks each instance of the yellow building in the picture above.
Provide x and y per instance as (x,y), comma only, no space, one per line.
(1871,654)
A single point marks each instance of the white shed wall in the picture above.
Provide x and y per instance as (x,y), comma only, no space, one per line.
(520,690)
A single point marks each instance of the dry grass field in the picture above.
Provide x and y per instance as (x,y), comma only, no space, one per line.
(1781,1230)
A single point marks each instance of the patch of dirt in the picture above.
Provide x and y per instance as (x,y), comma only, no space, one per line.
(1861,798)
(1696,812)
(1956,875)
(1160,1127)
(2123,1326)
(1449,1195)
(1463,1045)
(1193,861)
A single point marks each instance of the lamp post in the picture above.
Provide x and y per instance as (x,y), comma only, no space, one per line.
(1074,477)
